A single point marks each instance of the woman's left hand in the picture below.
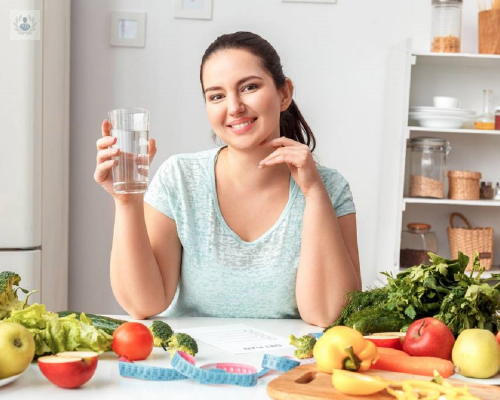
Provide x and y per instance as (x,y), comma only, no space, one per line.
(298,158)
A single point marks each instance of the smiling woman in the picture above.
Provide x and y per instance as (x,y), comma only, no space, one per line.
(254,228)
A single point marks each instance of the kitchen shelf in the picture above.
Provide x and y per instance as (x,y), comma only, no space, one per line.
(413,79)
(418,200)
(459,59)
(473,131)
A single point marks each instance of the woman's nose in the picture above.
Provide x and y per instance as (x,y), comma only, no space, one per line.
(235,105)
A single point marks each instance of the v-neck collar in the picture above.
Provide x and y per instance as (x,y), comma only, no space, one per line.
(291,197)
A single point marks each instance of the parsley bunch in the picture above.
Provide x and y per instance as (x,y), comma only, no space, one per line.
(443,290)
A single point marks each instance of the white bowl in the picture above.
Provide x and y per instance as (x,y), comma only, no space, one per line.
(439,121)
(445,102)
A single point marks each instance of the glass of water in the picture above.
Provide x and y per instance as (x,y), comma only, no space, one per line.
(131,128)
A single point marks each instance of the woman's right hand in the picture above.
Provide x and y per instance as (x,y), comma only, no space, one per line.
(105,162)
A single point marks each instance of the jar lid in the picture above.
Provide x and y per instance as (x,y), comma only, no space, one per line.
(418,226)
(436,143)
(445,1)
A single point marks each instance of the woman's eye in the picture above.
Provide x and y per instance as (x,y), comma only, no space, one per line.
(248,88)
(215,97)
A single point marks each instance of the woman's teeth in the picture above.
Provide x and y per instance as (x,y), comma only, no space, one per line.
(239,126)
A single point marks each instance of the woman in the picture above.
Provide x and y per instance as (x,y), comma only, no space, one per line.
(254,228)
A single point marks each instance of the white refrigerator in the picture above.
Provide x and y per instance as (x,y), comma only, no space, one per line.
(34,138)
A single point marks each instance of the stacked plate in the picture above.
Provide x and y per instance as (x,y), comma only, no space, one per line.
(441,118)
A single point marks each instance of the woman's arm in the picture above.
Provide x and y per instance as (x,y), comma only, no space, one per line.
(145,259)
(146,253)
(329,261)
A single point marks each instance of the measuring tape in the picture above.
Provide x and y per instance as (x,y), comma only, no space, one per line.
(212,374)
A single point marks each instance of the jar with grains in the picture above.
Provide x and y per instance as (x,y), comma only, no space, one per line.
(416,242)
(427,167)
(446,26)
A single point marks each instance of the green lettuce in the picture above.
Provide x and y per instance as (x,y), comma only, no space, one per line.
(53,334)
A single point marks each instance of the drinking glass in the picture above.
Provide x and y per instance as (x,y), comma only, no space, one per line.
(131,128)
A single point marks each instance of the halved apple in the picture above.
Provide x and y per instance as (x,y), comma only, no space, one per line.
(390,340)
(69,369)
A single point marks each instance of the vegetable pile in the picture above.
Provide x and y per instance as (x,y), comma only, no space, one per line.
(442,290)
(51,333)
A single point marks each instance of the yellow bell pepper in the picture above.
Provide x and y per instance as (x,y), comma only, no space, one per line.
(342,347)
(357,384)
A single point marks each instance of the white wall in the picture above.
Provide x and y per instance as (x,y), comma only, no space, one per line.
(335,54)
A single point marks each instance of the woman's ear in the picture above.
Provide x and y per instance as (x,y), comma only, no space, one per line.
(286,94)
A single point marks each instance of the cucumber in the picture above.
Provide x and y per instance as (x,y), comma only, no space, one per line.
(375,319)
(106,324)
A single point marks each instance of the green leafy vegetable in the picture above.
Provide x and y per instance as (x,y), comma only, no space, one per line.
(442,290)
(53,334)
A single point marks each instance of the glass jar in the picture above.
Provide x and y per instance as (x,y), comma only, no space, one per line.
(487,119)
(497,118)
(446,26)
(427,167)
(416,242)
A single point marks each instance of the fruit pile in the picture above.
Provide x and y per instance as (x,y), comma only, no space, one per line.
(428,348)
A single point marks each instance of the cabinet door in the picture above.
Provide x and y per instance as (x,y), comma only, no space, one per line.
(394,137)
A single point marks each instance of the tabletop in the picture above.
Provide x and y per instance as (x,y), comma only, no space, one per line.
(107,382)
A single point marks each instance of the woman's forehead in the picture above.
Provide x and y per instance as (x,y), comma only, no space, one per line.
(231,64)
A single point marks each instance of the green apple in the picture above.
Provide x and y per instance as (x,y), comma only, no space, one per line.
(17,349)
(476,353)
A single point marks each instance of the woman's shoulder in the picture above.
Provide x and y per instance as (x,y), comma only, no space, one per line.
(183,161)
(331,175)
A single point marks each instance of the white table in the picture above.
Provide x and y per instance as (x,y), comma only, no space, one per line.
(108,384)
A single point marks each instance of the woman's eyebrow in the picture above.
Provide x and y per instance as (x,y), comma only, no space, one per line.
(240,82)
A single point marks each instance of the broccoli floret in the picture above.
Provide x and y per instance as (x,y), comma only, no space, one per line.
(162,333)
(182,342)
(8,294)
(304,345)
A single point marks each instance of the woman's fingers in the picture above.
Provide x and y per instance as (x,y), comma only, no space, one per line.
(105,142)
(296,155)
(102,170)
(106,154)
(152,149)
(106,128)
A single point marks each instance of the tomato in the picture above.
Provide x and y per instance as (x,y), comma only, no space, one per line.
(132,340)
(498,337)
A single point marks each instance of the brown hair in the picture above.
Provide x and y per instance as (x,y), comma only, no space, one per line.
(292,123)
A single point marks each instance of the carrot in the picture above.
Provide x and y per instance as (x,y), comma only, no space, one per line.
(394,352)
(414,365)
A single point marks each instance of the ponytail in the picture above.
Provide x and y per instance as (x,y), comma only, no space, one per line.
(294,126)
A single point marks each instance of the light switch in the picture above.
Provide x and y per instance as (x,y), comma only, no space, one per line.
(128,29)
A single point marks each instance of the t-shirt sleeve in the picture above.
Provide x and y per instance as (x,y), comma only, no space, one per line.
(162,191)
(339,191)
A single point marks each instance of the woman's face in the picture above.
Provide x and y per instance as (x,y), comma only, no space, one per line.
(242,102)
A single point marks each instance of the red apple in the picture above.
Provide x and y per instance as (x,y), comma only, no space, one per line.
(498,337)
(69,369)
(429,337)
(390,341)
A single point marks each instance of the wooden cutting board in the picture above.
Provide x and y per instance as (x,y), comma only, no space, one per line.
(307,383)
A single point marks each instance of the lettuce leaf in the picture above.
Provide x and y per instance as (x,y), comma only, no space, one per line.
(53,334)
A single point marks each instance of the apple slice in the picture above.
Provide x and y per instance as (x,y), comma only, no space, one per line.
(69,369)
(388,340)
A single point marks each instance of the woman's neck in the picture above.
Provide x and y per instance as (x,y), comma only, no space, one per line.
(242,167)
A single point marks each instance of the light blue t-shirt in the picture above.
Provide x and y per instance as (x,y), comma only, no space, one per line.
(221,274)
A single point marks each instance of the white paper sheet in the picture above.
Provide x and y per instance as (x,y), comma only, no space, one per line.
(238,338)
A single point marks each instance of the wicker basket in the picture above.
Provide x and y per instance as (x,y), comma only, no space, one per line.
(463,185)
(469,240)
